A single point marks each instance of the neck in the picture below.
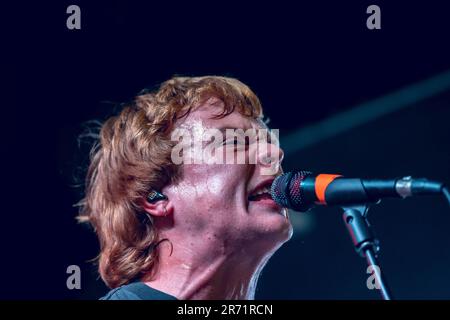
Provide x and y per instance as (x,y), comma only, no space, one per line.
(216,272)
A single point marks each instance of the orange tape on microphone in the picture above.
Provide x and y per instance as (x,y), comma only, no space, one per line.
(321,184)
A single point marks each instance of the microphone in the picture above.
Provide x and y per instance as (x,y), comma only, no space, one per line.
(302,190)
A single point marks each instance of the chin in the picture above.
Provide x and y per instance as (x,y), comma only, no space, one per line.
(275,228)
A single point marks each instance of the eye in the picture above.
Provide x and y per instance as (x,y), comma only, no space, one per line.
(237,142)
(229,142)
(232,142)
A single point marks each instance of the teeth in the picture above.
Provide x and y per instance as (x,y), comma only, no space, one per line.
(261,191)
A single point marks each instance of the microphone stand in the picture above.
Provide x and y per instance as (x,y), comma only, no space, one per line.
(366,245)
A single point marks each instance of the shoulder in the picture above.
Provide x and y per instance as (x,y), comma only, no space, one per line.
(121,293)
(136,291)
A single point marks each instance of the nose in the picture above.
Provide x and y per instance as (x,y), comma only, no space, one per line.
(270,155)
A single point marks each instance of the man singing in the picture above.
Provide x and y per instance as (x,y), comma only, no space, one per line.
(192,230)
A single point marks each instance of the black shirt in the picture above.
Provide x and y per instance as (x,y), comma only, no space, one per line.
(136,291)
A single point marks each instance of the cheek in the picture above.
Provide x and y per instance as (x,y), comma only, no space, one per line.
(216,182)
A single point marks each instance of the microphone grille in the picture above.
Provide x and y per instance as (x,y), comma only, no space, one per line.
(286,190)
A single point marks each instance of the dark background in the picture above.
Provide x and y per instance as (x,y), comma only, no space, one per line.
(306,61)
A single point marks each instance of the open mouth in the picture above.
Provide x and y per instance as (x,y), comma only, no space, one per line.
(262,192)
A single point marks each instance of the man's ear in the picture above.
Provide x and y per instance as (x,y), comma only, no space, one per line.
(160,208)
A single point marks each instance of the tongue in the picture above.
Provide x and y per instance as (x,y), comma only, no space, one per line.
(260,197)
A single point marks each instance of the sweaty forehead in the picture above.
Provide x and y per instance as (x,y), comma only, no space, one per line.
(206,116)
